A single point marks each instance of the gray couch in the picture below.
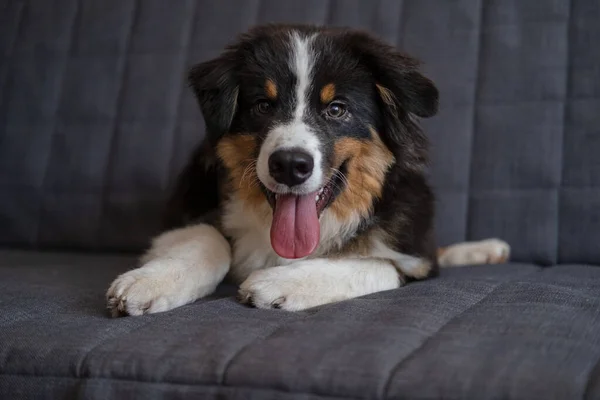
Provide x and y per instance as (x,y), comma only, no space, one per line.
(96,119)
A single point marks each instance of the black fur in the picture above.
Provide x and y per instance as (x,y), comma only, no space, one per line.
(195,197)
(227,89)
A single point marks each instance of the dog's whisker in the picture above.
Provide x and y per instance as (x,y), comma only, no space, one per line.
(247,172)
(253,183)
(345,179)
(342,176)
(335,184)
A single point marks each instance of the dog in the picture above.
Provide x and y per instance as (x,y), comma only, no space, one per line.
(310,185)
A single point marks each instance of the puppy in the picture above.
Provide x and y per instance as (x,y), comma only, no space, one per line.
(310,185)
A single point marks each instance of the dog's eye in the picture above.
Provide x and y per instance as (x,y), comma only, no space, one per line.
(336,110)
(263,107)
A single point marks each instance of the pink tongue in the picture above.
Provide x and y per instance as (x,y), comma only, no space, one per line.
(295,231)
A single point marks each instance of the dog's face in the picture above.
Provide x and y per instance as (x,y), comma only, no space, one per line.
(309,120)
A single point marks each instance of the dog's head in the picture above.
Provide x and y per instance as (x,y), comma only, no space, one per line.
(311,120)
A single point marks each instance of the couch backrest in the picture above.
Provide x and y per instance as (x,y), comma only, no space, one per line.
(96,118)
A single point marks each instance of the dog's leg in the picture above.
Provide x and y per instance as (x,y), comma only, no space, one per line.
(181,266)
(311,283)
(490,251)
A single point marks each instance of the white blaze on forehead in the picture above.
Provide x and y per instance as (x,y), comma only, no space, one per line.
(296,133)
(301,63)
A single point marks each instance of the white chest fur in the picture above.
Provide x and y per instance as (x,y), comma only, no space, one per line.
(251,246)
(249,229)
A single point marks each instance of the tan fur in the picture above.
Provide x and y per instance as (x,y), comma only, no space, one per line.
(388,97)
(440,251)
(497,259)
(421,271)
(328,93)
(271,89)
(237,152)
(359,246)
(368,162)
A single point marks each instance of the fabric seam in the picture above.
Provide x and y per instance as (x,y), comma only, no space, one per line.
(428,339)
(476,90)
(201,385)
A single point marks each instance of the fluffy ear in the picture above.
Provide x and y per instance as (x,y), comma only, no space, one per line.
(399,81)
(409,90)
(215,85)
(403,91)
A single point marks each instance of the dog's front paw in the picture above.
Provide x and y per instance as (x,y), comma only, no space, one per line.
(489,251)
(287,288)
(149,289)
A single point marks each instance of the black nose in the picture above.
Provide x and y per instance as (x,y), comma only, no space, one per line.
(291,167)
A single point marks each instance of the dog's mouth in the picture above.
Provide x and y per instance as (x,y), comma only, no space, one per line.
(295,230)
(323,197)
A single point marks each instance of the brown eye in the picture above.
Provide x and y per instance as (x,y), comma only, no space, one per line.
(336,110)
(263,107)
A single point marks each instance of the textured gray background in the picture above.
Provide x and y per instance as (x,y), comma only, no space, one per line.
(96,118)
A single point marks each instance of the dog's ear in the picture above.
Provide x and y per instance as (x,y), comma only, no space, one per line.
(410,90)
(216,88)
(399,82)
(403,92)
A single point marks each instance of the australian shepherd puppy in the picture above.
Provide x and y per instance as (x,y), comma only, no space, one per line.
(310,185)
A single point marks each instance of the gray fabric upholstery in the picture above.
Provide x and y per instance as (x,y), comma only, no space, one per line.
(512,331)
(95,116)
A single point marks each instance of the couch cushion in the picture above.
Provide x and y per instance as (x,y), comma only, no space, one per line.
(506,331)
